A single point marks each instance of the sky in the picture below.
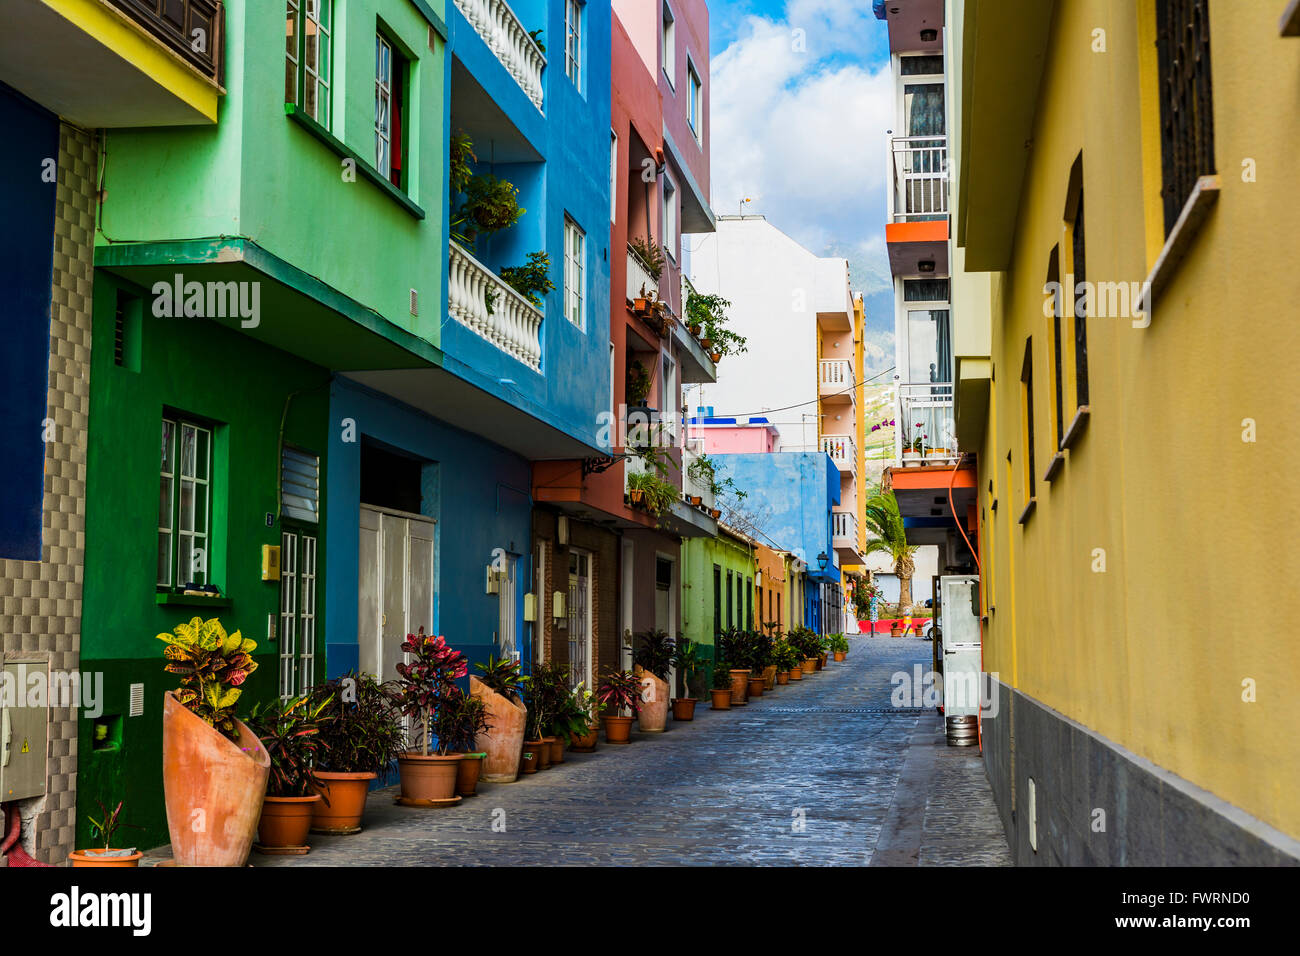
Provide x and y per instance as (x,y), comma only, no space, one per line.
(801,99)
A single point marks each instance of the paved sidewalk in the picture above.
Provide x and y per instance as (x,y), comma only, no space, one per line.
(820,772)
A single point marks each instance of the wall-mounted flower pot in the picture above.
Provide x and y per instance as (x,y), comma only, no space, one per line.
(695,330)
(225,779)
(98,858)
(796,673)
(528,763)
(756,686)
(585,743)
(342,804)
(285,822)
(504,740)
(716,512)
(721,698)
(467,773)
(684,707)
(652,716)
(641,306)
(618,730)
(636,496)
(739,687)
(428,781)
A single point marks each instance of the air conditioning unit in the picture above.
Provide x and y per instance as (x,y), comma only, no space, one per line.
(24,732)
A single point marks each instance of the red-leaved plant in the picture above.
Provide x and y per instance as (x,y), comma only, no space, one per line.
(429,680)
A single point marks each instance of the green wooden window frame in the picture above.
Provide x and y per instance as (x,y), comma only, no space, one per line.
(309,29)
(184,503)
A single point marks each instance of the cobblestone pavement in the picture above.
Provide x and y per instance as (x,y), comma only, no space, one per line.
(819,772)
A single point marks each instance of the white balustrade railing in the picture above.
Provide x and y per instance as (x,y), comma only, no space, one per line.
(501,30)
(835,377)
(638,276)
(511,323)
(844,527)
(920,178)
(843,451)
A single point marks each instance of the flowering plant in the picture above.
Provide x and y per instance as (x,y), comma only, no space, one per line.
(619,691)
(429,679)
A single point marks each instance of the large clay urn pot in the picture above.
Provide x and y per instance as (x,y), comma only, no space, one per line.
(285,823)
(343,801)
(428,780)
(653,715)
(721,699)
(504,741)
(213,788)
(739,687)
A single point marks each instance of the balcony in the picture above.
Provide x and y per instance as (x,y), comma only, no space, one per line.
(174,22)
(639,279)
(843,451)
(511,323)
(919,191)
(690,487)
(835,381)
(926,412)
(500,29)
(844,536)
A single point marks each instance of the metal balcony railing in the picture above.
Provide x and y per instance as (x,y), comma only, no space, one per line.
(926,413)
(192,29)
(496,23)
(482,302)
(638,276)
(920,178)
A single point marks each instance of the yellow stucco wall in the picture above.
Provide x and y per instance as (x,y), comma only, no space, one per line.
(1194,523)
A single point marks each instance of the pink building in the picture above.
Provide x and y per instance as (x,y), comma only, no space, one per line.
(726,436)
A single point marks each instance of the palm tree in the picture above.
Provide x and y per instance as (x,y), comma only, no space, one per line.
(885,525)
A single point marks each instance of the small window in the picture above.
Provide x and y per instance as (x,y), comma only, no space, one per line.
(299,485)
(184,503)
(1078,249)
(669,40)
(921,65)
(1027,413)
(575,264)
(308,27)
(670,216)
(717,599)
(731,609)
(1058,345)
(749,603)
(573,41)
(695,104)
(390,111)
(613,176)
(925,290)
(1186,101)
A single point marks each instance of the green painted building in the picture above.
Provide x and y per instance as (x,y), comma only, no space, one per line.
(717,586)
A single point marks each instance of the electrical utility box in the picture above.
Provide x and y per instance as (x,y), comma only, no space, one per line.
(959,600)
(23,731)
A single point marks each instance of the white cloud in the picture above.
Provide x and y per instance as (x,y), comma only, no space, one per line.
(800,128)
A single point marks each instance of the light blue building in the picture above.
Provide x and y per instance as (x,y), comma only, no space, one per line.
(788,503)
(429,468)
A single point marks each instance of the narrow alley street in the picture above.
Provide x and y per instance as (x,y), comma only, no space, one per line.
(872,784)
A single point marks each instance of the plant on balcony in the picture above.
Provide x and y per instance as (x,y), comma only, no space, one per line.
(489,204)
(651,492)
(459,170)
(533,280)
(886,535)
(710,313)
(704,470)
(651,255)
(536,37)
(637,388)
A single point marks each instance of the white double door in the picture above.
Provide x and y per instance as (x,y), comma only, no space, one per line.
(395,586)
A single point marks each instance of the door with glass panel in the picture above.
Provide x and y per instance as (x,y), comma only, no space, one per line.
(297,611)
(579,618)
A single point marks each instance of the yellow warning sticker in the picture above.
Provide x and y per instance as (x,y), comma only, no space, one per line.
(26,749)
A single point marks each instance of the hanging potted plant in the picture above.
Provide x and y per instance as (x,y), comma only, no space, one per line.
(499,685)
(720,691)
(687,663)
(428,775)
(361,736)
(290,732)
(586,708)
(651,659)
(211,760)
(460,719)
(619,691)
(105,829)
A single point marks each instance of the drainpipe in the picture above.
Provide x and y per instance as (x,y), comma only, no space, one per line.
(13,825)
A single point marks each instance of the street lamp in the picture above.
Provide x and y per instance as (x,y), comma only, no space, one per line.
(821,560)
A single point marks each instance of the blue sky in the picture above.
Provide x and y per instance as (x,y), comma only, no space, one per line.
(801,99)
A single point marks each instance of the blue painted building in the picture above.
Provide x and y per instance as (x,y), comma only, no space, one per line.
(788,503)
(428,484)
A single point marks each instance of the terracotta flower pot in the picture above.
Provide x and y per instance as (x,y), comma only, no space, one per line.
(285,823)
(706,343)
(528,763)
(696,500)
(839,657)
(809,665)
(586,743)
(428,781)
(618,730)
(821,661)
(684,708)
(769,677)
(739,687)
(467,774)
(721,699)
(225,780)
(96,858)
(756,686)
(895,630)
(716,356)
(783,677)
(504,740)
(557,750)
(796,673)
(343,802)
(652,717)
(542,748)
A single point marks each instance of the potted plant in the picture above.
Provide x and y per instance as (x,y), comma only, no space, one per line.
(787,660)
(808,644)
(710,311)
(720,691)
(528,762)
(651,255)
(839,646)
(734,650)
(460,720)
(210,759)
(649,491)
(290,732)
(619,691)
(105,830)
(428,775)
(361,735)
(499,684)
(537,698)
(759,652)
(823,650)
(687,662)
(586,711)
(651,659)
(532,280)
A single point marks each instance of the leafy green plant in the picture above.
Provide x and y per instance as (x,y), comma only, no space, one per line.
(428,680)
(638,383)
(112,822)
(533,280)
(546,693)
(361,727)
(536,37)
(758,648)
(654,652)
(619,691)
(502,677)
(730,643)
(657,494)
(461,156)
(839,643)
(785,656)
(710,313)
(721,676)
(290,732)
(806,641)
(212,665)
(458,720)
(886,535)
(704,470)
(651,255)
(687,661)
